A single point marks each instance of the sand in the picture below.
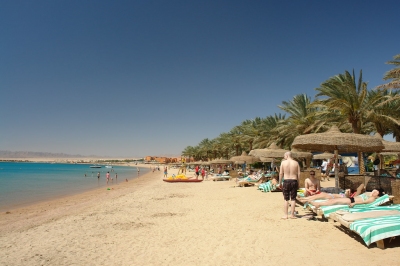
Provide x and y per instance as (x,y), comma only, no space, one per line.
(151,222)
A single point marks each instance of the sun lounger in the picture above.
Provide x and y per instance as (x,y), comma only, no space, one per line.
(327,210)
(373,224)
(221,177)
(268,187)
(248,181)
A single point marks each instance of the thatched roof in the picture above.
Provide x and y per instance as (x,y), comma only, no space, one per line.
(273,151)
(244,158)
(333,139)
(390,146)
(325,155)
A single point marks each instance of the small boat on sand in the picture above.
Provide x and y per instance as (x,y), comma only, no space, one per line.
(180,178)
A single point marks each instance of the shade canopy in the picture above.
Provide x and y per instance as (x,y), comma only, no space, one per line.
(244,158)
(199,163)
(301,154)
(273,151)
(333,139)
(325,155)
(221,161)
(267,159)
(390,146)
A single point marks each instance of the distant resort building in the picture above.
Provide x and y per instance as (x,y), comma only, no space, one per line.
(150,159)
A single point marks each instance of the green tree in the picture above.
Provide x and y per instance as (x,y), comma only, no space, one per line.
(345,98)
(393,74)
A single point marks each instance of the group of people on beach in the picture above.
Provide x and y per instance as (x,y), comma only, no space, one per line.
(202,171)
(290,170)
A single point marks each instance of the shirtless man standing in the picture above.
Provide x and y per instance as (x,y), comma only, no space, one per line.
(312,185)
(290,170)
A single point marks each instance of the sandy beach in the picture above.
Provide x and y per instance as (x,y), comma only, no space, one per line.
(151,222)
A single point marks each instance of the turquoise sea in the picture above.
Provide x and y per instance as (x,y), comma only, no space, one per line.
(27,183)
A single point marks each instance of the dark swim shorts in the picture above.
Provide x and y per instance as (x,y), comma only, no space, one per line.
(289,190)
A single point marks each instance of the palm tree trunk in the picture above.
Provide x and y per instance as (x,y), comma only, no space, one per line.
(361,164)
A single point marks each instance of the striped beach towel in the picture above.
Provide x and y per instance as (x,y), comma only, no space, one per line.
(394,207)
(326,210)
(375,229)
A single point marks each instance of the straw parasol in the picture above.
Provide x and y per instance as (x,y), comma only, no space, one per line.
(244,158)
(391,148)
(267,159)
(325,155)
(273,151)
(221,161)
(301,154)
(335,140)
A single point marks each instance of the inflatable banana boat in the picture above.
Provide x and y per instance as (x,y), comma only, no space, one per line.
(181,178)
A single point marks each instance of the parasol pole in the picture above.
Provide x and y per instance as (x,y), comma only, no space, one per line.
(336,169)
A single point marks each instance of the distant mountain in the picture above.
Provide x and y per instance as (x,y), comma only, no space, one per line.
(32,154)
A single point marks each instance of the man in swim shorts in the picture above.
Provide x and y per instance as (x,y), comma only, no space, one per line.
(312,185)
(290,170)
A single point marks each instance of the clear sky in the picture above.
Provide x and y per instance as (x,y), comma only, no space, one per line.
(136,78)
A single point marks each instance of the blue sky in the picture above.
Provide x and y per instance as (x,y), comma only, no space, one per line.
(136,78)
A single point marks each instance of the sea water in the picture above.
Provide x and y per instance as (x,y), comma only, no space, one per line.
(24,183)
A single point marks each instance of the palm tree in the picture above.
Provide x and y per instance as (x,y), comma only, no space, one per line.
(301,120)
(205,149)
(236,135)
(189,151)
(346,100)
(384,112)
(266,127)
(225,144)
(251,130)
(393,74)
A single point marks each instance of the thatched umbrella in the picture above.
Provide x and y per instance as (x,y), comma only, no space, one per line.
(391,148)
(335,140)
(221,161)
(273,151)
(325,155)
(245,158)
(267,159)
(302,155)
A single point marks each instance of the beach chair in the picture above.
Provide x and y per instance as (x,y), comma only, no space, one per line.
(221,177)
(268,187)
(246,181)
(373,224)
(325,211)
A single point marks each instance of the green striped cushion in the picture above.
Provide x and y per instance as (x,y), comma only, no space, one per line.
(374,229)
(326,210)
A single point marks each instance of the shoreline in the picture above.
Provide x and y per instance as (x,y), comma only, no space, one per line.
(52,208)
(11,204)
(151,222)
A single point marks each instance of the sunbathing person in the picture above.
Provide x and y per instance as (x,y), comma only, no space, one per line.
(365,198)
(324,195)
(312,185)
